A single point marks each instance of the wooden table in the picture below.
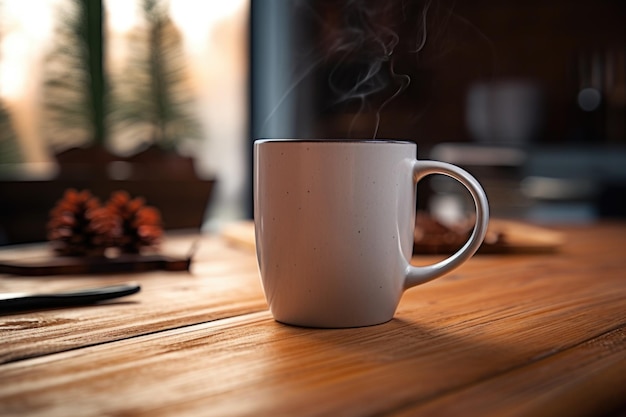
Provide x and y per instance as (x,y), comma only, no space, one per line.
(504,335)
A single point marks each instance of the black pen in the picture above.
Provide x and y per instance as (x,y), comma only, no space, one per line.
(35,300)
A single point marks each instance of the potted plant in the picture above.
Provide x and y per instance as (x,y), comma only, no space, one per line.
(86,110)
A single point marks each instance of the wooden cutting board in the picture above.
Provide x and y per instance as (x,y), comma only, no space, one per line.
(240,234)
(519,237)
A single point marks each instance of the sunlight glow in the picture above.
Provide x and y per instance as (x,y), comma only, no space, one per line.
(196,19)
(15,48)
(122,15)
(24,33)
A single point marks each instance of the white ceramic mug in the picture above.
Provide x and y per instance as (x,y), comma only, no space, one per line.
(334,222)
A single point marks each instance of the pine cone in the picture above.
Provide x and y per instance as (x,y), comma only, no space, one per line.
(140,224)
(80,226)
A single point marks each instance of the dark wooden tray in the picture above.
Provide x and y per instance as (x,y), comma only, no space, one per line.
(68,265)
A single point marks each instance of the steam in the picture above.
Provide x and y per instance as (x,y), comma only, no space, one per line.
(364,68)
(298,80)
(424,32)
(358,53)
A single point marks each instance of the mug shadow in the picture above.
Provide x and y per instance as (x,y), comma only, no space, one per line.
(419,361)
(400,339)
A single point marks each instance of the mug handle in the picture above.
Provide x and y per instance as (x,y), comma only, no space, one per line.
(415,275)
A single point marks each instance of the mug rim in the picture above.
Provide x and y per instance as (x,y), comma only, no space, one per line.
(366,141)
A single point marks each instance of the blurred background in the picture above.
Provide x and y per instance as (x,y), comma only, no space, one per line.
(147,96)
(164,98)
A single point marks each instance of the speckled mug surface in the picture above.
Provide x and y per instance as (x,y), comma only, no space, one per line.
(334,222)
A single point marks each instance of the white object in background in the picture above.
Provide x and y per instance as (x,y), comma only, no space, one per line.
(504,112)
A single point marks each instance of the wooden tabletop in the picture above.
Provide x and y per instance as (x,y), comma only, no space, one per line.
(504,335)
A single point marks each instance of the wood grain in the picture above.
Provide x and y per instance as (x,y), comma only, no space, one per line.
(222,283)
(519,335)
(557,385)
